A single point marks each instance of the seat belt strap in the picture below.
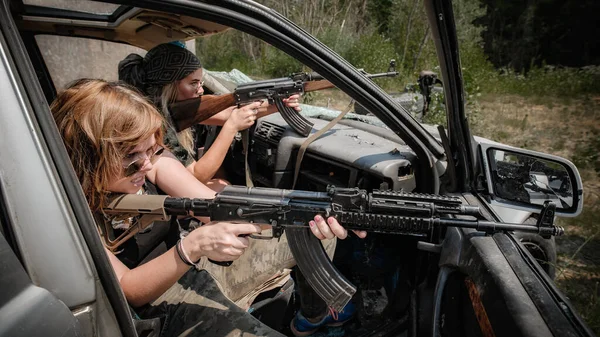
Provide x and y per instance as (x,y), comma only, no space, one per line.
(246,148)
(314,137)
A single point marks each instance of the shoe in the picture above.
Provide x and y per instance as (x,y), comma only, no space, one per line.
(301,326)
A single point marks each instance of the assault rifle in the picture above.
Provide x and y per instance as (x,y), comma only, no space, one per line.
(187,113)
(380,211)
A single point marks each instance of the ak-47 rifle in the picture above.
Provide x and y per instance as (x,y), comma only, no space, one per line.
(380,211)
(273,90)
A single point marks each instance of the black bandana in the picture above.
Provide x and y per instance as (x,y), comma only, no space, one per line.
(168,63)
(163,64)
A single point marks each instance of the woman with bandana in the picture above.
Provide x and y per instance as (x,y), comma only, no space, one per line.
(169,73)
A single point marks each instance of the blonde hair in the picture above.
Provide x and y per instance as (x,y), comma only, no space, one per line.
(169,95)
(100,122)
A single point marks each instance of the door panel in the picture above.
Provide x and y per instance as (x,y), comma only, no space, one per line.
(25,309)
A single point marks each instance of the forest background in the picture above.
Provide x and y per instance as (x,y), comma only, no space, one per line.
(532,80)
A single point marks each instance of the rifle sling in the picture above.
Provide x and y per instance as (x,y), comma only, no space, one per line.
(314,137)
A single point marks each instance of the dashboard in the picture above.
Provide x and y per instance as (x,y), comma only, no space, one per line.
(345,156)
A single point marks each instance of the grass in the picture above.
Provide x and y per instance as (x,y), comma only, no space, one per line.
(579,262)
(569,128)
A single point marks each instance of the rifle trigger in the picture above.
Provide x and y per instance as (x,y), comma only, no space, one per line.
(276,232)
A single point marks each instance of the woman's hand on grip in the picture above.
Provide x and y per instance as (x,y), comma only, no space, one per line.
(243,117)
(221,241)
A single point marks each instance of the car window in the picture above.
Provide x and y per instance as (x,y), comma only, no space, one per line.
(374,53)
(537,89)
(70,58)
(259,61)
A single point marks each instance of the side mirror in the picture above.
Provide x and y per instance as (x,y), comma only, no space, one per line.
(524,179)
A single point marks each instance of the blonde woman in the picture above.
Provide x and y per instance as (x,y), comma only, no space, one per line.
(170,73)
(114,139)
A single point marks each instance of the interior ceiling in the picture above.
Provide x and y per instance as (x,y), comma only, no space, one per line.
(138,27)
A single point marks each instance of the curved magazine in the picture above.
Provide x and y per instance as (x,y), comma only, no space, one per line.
(316,267)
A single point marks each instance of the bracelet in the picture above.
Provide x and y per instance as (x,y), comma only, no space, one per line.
(181,256)
(184,256)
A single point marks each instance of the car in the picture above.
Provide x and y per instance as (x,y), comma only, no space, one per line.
(451,281)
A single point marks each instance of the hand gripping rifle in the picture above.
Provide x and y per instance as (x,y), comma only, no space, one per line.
(381,211)
(186,113)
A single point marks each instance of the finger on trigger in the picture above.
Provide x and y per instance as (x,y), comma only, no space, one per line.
(243,242)
(246,228)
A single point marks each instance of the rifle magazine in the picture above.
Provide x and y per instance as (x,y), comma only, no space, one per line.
(316,267)
(296,121)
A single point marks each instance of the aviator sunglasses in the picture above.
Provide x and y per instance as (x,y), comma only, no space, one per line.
(138,160)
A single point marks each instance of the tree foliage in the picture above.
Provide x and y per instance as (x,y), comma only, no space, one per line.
(522,34)
(500,42)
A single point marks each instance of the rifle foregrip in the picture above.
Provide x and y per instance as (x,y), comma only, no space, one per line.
(316,267)
(300,124)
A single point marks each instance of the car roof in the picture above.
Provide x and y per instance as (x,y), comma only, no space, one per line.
(138,27)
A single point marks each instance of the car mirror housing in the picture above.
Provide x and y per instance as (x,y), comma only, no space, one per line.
(524,179)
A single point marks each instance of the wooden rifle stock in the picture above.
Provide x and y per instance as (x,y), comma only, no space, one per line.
(317,85)
(187,113)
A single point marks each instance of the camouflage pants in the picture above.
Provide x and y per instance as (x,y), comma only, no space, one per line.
(203,303)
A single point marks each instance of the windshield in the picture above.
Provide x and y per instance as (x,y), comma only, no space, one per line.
(375,39)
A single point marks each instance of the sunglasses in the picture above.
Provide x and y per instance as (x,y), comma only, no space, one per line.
(137,162)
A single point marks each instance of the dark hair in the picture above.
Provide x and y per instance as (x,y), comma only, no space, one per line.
(163,64)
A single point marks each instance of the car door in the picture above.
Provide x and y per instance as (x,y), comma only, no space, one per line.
(61,283)
(502,265)
(26,309)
